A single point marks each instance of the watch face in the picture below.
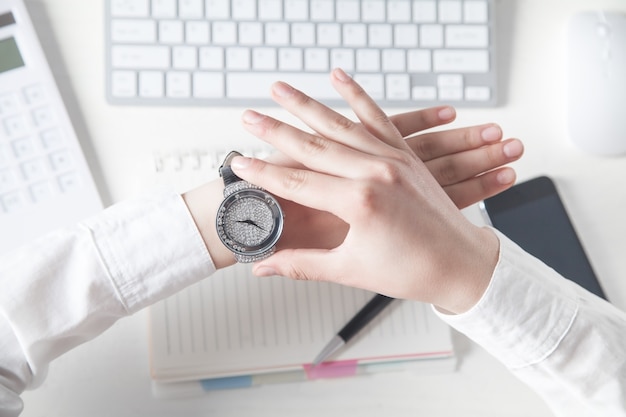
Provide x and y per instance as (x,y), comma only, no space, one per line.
(249,222)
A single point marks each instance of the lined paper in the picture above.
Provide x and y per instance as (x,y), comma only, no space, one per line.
(234,323)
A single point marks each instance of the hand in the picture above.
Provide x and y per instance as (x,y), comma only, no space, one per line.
(406,238)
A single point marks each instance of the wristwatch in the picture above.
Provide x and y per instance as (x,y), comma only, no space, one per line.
(249,221)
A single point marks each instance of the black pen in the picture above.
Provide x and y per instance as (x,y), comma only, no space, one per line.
(355,325)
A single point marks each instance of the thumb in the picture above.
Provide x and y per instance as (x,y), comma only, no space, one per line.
(298,264)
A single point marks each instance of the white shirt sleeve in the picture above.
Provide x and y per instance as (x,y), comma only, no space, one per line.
(71,285)
(564,342)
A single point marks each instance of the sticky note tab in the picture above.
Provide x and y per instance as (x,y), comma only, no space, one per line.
(336,369)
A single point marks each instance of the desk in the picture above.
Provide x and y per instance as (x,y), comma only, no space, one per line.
(109,376)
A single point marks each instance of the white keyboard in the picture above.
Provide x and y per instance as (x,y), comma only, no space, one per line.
(228,52)
(45,182)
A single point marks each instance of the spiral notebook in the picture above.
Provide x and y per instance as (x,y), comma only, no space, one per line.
(236,330)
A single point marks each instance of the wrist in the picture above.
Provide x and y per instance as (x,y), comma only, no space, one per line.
(203,203)
(474,275)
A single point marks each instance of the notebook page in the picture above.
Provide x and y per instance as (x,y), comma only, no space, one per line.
(233,323)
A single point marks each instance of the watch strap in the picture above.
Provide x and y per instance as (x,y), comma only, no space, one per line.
(226,172)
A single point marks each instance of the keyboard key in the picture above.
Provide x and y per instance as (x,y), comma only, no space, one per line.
(124,84)
(394,60)
(197,33)
(450,11)
(424,11)
(460,61)
(316,59)
(373,84)
(244,9)
(322,10)
(178,84)
(184,57)
(257,85)
(190,9)
(398,87)
(217,9)
(8,179)
(212,57)
(475,11)
(296,10)
(164,8)
(348,10)
(238,58)
(342,58)
(270,10)
(208,85)
(171,31)
(133,31)
(399,11)
(477,93)
(151,84)
(464,36)
(130,8)
(264,59)
(140,57)
(290,59)
(373,11)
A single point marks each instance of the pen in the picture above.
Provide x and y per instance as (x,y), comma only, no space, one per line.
(355,325)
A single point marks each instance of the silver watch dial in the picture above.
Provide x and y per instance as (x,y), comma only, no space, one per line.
(249,222)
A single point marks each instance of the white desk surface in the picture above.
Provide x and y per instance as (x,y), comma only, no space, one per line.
(109,376)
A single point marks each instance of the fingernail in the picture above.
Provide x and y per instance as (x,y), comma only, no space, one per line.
(341,75)
(281,89)
(491,134)
(447,113)
(506,176)
(240,162)
(252,117)
(513,149)
(264,271)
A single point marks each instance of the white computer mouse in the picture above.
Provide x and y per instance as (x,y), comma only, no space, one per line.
(596,82)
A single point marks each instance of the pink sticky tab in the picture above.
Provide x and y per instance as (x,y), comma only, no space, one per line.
(336,369)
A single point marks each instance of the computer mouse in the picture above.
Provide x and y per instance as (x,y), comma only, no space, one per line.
(596,82)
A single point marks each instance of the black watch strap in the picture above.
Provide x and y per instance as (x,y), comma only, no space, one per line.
(226,172)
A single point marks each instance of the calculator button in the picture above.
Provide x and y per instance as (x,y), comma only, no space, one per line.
(34,94)
(69,182)
(51,138)
(40,191)
(33,169)
(43,116)
(15,125)
(8,179)
(12,201)
(23,148)
(8,104)
(61,160)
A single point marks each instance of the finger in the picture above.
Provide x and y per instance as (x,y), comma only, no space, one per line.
(324,121)
(315,152)
(433,145)
(301,186)
(418,120)
(473,190)
(367,111)
(459,167)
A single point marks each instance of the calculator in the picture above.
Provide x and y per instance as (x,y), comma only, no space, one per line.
(45,182)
